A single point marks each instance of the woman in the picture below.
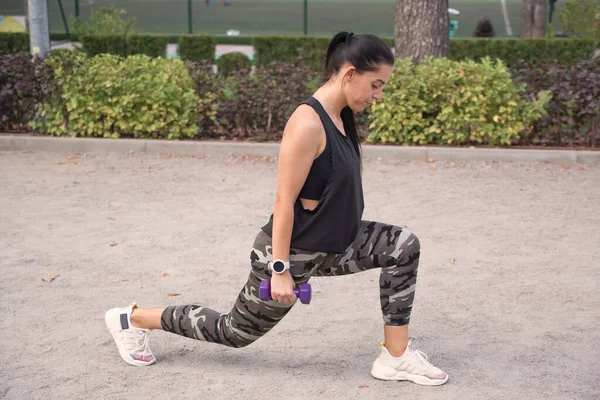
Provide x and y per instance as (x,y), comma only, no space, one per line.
(315,229)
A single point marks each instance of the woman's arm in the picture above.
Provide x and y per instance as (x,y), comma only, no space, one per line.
(303,137)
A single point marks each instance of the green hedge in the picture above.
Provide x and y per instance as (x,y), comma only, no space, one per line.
(312,49)
(173,39)
(237,40)
(441,101)
(233,62)
(13,42)
(197,47)
(511,51)
(292,49)
(268,49)
(150,45)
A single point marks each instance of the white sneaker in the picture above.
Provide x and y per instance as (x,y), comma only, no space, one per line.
(411,366)
(132,342)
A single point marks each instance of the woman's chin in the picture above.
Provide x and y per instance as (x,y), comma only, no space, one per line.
(359,107)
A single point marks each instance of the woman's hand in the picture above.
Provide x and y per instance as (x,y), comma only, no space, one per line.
(282,288)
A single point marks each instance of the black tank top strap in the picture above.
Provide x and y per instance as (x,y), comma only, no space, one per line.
(328,124)
(320,171)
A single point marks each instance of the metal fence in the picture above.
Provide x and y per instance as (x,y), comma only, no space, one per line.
(280,17)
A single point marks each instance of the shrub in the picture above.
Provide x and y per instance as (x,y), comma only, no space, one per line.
(214,110)
(24,83)
(290,49)
(249,106)
(232,62)
(105,44)
(108,32)
(294,49)
(111,96)
(106,21)
(511,51)
(452,103)
(14,42)
(265,100)
(574,112)
(57,52)
(312,50)
(150,45)
(581,18)
(197,47)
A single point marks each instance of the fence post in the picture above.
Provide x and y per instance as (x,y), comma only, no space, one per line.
(306,17)
(64,19)
(77,8)
(190,30)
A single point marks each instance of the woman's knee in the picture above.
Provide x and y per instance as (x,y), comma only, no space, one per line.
(413,243)
(409,249)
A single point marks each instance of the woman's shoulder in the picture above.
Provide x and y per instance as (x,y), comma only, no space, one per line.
(305,119)
(304,129)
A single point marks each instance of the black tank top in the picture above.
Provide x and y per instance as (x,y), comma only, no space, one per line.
(318,176)
(333,224)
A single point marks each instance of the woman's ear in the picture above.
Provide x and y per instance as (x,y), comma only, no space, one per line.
(349,74)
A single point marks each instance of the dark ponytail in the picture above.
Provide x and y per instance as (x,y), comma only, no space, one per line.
(366,53)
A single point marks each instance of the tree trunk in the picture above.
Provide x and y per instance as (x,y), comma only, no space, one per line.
(534,17)
(421,29)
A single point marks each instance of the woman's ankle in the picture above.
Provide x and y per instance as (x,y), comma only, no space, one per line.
(146,318)
(396,339)
(135,319)
(396,350)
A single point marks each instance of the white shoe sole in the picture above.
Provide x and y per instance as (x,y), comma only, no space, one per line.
(391,374)
(113,323)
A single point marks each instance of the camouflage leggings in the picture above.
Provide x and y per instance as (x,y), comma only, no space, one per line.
(393,249)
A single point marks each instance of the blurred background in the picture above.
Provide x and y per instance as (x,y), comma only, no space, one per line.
(276,17)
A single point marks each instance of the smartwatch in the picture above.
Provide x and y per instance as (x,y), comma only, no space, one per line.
(279,266)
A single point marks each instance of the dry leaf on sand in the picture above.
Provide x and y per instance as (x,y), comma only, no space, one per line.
(52,277)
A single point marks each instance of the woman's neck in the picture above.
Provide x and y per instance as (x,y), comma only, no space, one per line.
(331,98)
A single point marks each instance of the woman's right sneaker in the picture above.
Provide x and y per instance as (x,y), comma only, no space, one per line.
(411,366)
(132,342)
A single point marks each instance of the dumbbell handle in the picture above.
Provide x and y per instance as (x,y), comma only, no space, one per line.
(303,293)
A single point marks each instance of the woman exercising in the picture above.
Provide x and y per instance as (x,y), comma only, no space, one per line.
(316,229)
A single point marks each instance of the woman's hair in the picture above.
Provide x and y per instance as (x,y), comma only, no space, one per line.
(364,52)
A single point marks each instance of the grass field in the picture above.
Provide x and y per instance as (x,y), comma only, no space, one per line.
(252,17)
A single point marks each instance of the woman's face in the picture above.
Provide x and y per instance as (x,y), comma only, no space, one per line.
(362,89)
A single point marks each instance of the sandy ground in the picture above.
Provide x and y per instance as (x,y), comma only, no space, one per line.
(513,315)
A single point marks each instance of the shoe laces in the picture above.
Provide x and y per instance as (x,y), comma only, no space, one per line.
(136,341)
(422,359)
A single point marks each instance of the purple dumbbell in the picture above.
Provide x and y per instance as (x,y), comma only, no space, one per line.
(304,292)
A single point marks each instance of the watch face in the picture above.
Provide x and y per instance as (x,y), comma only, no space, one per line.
(278,266)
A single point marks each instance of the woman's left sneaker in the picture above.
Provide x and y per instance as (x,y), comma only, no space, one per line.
(132,342)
